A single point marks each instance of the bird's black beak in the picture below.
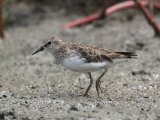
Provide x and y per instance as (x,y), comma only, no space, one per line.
(39,50)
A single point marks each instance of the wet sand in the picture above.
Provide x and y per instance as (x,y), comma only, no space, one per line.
(35,88)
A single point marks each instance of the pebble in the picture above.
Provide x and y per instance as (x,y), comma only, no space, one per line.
(74,108)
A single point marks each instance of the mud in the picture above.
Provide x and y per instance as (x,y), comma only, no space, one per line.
(34,88)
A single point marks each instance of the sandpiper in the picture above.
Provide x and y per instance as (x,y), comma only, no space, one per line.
(83,58)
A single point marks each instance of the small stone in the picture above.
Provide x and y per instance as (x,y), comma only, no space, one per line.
(145,96)
(1,116)
(5,96)
(11,113)
(125,84)
(26,118)
(99,105)
(33,87)
(74,108)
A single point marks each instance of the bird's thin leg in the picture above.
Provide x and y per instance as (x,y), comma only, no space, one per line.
(98,82)
(99,86)
(90,84)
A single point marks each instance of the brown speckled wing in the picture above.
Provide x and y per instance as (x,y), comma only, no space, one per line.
(90,53)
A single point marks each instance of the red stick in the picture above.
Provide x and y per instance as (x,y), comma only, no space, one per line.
(149,17)
(110,10)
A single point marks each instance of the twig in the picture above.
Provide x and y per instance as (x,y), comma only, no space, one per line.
(108,11)
(149,17)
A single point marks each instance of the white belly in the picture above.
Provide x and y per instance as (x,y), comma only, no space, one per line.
(78,64)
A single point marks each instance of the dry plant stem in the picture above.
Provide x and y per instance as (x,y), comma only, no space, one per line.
(107,4)
(149,17)
(1,19)
(108,11)
(150,5)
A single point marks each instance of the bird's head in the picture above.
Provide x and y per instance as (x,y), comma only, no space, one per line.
(49,45)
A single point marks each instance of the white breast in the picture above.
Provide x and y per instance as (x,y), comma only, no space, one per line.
(78,64)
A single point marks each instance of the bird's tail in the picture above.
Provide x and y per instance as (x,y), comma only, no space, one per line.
(127,55)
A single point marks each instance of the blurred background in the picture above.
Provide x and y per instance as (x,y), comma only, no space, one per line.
(34,88)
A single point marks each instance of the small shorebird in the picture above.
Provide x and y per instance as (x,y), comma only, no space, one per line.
(83,58)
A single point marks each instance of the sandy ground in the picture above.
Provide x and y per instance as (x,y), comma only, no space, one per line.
(34,88)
